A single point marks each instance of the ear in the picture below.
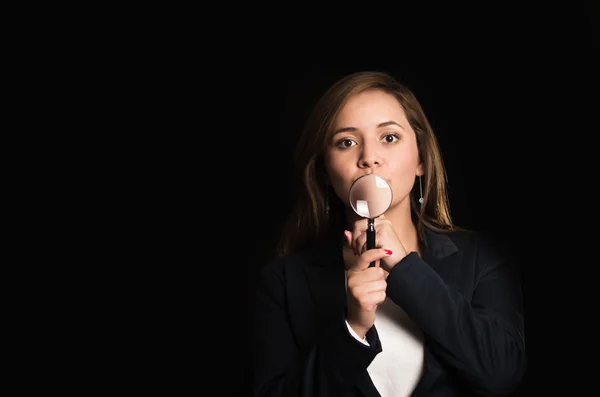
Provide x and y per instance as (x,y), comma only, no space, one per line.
(420,170)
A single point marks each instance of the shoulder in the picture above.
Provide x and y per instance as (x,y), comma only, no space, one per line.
(279,268)
(488,250)
(483,243)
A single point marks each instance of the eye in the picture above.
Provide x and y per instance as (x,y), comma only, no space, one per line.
(345,143)
(391,138)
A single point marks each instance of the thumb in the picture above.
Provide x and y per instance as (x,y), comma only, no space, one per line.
(348,236)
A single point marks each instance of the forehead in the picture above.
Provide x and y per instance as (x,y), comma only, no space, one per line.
(370,106)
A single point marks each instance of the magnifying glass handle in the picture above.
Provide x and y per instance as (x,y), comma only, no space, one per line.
(371,236)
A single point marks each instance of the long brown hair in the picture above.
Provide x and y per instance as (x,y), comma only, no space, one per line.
(317,208)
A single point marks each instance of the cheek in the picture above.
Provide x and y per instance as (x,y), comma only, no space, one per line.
(339,177)
(405,172)
(402,187)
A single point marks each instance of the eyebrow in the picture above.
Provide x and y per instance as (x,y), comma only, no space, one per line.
(384,124)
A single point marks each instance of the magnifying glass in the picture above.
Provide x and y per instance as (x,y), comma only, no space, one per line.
(370,196)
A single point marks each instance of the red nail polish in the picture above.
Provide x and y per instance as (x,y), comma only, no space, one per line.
(388,252)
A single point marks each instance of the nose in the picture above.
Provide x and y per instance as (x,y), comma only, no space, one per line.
(369,157)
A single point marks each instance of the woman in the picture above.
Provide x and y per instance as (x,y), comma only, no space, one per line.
(439,314)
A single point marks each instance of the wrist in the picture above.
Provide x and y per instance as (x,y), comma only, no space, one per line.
(359,332)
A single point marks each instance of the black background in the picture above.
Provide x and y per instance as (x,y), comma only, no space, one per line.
(508,94)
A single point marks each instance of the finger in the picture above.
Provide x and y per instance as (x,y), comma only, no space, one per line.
(348,237)
(357,280)
(349,240)
(360,244)
(380,233)
(367,257)
(376,285)
(359,228)
(372,300)
(359,235)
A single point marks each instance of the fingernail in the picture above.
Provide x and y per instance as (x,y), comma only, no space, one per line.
(388,252)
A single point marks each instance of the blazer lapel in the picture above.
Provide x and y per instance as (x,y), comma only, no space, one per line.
(317,290)
(327,287)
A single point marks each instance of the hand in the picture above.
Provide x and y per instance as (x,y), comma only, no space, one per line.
(385,237)
(366,289)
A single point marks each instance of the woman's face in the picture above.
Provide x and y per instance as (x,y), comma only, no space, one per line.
(371,134)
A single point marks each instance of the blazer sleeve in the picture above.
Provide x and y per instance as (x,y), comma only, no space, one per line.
(481,340)
(329,366)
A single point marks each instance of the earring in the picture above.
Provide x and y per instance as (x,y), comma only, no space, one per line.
(421,199)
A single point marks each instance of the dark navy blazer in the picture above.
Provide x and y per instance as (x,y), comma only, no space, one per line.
(464,295)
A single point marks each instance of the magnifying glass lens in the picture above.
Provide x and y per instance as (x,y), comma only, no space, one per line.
(370,196)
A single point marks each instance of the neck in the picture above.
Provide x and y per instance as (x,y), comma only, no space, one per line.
(405,229)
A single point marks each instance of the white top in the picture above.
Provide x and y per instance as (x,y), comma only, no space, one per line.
(397,369)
